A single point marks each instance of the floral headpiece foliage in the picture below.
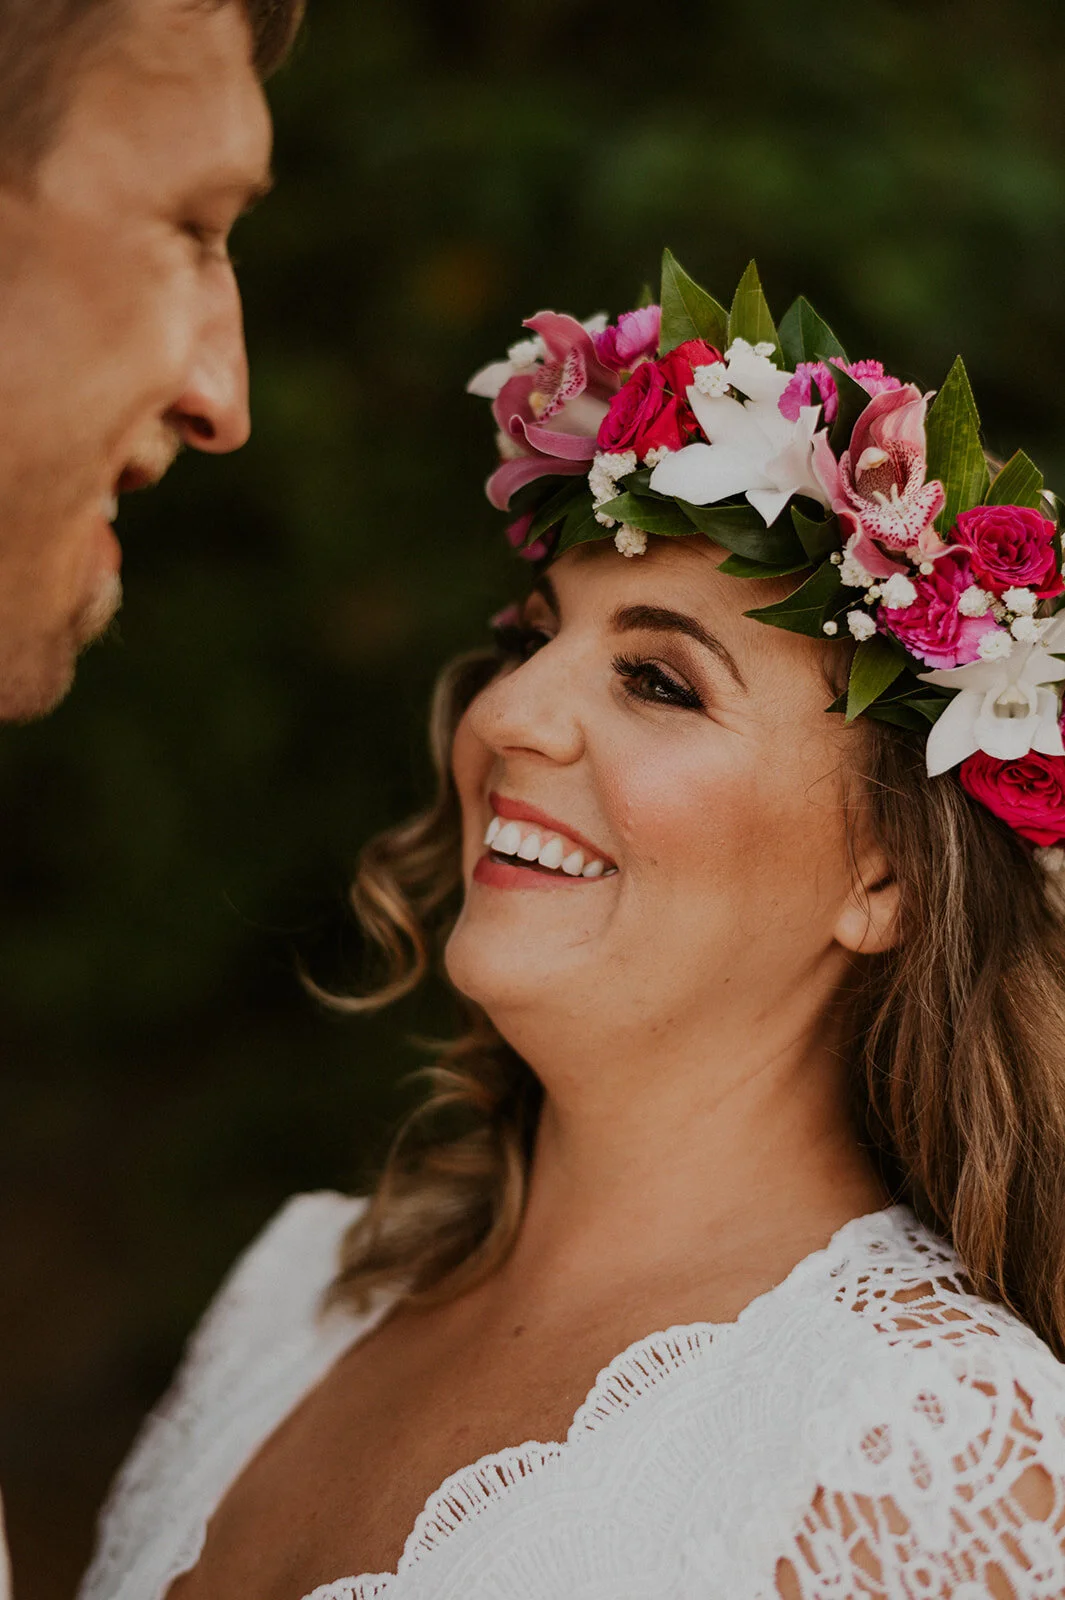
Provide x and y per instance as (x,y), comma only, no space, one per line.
(683,418)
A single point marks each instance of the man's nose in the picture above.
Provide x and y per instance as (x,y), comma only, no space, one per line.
(212,413)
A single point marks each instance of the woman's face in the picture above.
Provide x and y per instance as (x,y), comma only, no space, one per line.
(680,754)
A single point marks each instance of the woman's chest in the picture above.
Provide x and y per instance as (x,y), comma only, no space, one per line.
(339,1487)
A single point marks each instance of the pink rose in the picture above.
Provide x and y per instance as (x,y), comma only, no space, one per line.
(1010,547)
(634,338)
(870,374)
(1027,794)
(651,410)
(932,627)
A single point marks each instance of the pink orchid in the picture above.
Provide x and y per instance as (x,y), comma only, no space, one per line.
(870,374)
(633,339)
(548,418)
(877,487)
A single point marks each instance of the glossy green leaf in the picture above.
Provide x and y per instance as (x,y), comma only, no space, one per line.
(556,507)
(852,401)
(688,312)
(739,567)
(741,530)
(806,610)
(750,317)
(1020,483)
(818,537)
(653,516)
(581,526)
(646,297)
(955,454)
(877,663)
(899,713)
(804,336)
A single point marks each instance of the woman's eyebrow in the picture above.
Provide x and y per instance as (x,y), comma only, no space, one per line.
(659,619)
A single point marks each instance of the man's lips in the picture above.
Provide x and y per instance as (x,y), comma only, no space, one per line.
(520,811)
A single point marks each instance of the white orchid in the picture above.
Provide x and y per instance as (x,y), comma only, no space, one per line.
(1003,707)
(753,449)
(524,356)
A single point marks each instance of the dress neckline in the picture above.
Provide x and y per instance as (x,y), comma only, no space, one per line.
(642,1367)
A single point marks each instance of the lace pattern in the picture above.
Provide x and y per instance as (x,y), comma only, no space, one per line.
(869,1428)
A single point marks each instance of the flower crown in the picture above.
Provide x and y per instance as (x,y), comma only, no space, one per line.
(684,418)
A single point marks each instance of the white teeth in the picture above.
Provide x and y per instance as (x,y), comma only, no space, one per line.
(552,853)
(508,839)
(109,507)
(594,869)
(529,848)
(573,865)
(493,829)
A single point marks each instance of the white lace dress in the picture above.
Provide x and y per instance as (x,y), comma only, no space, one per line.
(867,1428)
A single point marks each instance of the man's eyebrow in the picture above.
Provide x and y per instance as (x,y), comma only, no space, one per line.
(659,619)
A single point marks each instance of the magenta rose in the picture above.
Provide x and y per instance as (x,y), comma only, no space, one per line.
(643,415)
(932,627)
(633,338)
(1028,794)
(1011,547)
(651,411)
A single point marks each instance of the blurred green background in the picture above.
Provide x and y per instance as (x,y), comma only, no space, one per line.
(179,836)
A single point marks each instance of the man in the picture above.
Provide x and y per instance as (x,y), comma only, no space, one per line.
(133,133)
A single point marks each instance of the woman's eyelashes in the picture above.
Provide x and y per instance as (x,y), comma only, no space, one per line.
(652,683)
(644,679)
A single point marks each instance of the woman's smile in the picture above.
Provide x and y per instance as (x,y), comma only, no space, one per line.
(527,849)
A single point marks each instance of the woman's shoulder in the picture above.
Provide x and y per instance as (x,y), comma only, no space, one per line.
(943,1450)
(263,1340)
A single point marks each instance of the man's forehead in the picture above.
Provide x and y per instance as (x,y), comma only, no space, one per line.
(177,87)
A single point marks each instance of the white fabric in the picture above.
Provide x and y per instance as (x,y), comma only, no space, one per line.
(867,1421)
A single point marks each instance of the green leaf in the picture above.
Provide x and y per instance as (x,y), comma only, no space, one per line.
(581,526)
(876,665)
(556,507)
(646,297)
(853,400)
(1020,483)
(955,454)
(653,516)
(818,537)
(688,312)
(750,317)
(805,337)
(807,608)
(899,714)
(741,530)
(740,567)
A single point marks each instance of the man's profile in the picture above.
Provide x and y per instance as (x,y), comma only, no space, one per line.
(133,133)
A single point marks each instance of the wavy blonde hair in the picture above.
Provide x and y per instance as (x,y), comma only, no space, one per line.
(957,1047)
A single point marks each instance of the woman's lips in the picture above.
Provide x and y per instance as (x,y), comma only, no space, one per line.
(501,872)
(520,811)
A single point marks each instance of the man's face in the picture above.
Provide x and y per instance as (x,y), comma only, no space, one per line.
(120,322)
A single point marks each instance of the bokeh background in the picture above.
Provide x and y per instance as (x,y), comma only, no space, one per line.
(178,838)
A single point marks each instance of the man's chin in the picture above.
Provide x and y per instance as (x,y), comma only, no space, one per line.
(35,681)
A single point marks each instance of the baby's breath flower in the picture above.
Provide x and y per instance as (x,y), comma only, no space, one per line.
(1025,630)
(1021,602)
(974,601)
(995,646)
(630,541)
(861,625)
(897,592)
(712,380)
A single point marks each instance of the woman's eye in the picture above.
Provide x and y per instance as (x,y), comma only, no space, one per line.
(517,642)
(650,682)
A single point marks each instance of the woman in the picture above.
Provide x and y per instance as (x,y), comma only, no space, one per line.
(750,993)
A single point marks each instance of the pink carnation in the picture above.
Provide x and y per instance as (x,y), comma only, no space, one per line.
(870,374)
(632,339)
(1028,794)
(933,628)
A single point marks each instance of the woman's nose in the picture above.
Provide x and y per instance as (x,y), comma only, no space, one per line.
(533,708)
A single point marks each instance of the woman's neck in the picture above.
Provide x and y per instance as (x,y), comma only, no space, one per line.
(649,1165)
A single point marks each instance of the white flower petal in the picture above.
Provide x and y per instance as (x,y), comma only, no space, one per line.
(755,375)
(487,383)
(953,735)
(1047,738)
(769,503)
(1006,738)
(704,474)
